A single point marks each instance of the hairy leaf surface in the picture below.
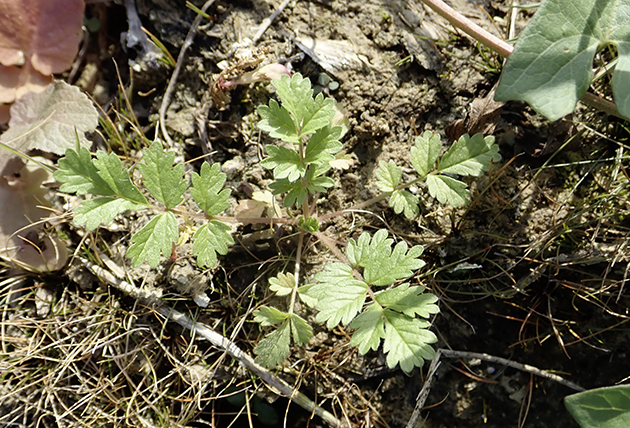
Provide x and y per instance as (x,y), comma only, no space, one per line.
(370,329)
(277,121)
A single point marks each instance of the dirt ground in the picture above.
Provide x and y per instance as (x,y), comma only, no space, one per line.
(533,270)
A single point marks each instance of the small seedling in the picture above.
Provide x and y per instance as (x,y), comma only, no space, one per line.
(363,291)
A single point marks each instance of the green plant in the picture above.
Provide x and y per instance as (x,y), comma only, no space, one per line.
(362,291)
(607,407)
(550,66)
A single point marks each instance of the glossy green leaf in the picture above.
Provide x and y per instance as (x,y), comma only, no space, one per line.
(551,65)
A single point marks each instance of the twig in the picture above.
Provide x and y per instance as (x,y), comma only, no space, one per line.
(218,340)
(505,49)
(264,25)
(447,353)
(180,61)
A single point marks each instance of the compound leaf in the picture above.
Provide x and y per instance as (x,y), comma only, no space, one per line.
(267,316)
(388,176)
(161,179)
(425,152)
(339,296)
(79,175)
(277,122)
(273,349)
(206,189)
(301,330)
(411,301)
(607,407)
(283,284)
(95,212)
(370,329)
(407,341)
(153,240)
(111,170)
(402,200)
(210,239)
(286,163)
(551,66)
(470,156)
(447,189)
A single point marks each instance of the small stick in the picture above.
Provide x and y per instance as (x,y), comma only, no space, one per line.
(180,61)
(218,340)
(447,353)
(266,23)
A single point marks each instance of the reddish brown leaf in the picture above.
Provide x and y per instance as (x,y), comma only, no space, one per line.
(37,38)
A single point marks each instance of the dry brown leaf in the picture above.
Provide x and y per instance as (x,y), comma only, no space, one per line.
(23,200)
(37,38)
(482,118)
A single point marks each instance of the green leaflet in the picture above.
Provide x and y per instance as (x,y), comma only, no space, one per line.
(95,212)
(161,179)
(425,152)
(470,156)
(448,190)
(275,347)
(407,341)
(153,240)
(551,65)
(277,122)
(210,239)
(282,284)
(207,189)
(382,266)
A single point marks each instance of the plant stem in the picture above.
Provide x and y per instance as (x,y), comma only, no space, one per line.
(505,49)
(298,257)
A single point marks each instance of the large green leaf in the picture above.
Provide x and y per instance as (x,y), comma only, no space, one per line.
(602,407)
(551,66)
